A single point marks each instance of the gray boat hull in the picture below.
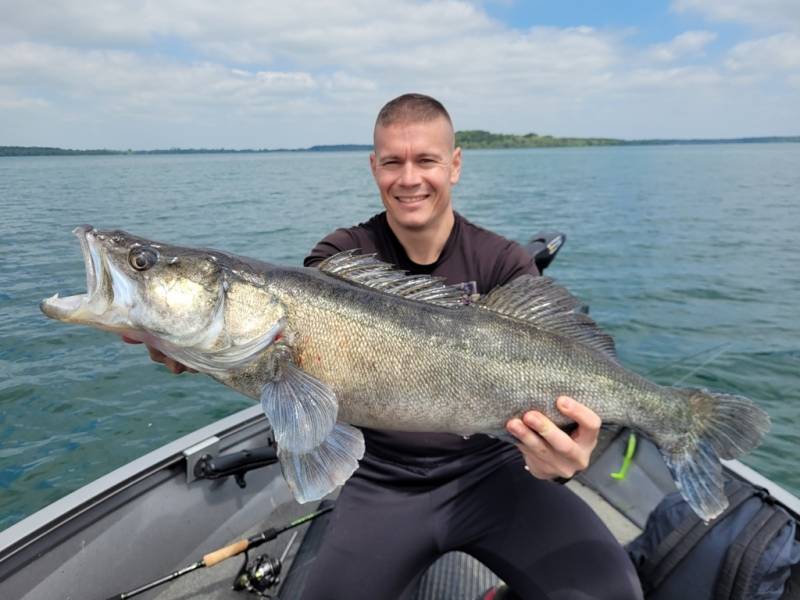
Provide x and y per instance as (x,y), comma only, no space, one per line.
(141,521)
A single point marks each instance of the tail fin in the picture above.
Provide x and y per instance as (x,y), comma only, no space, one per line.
(721,426)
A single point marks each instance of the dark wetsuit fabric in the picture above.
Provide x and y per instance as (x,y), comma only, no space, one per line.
(418,495)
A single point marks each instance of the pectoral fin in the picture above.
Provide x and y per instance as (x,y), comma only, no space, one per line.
(317,473)
(317,454)
(301,409)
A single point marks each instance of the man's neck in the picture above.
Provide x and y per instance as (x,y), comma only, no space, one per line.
(424,246)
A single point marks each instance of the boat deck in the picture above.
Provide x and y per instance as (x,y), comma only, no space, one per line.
(150,518)
(462,575)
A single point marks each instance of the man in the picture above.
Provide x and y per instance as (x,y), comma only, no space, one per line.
(418,495)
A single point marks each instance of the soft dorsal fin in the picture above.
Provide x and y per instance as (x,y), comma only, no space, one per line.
(547,305)
(368,271)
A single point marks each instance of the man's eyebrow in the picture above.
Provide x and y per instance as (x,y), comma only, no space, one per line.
(420,156)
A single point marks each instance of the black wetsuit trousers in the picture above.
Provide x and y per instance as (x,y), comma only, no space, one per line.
(392,522)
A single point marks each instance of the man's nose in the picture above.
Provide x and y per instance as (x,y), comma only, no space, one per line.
(409,176)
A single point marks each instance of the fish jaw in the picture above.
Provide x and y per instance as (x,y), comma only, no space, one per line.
(104,304)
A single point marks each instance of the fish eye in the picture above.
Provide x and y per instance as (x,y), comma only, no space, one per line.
(142,258)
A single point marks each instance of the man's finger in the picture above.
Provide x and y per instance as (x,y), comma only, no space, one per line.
(528,438)
(541,458)
(543,463)
(157,356)
(177,367)
(587,420)
(559,440)
(173,365)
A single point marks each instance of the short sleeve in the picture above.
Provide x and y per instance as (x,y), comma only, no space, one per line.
(512,262)
(338,241)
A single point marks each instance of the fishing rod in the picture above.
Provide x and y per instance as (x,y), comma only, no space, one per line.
(217,556)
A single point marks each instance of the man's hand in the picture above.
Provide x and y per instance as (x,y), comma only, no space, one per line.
(159,357)
(550,452)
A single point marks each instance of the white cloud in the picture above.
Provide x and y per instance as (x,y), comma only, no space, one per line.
(540,59)
(342,82)
(672,78)
(181,72)
(10,100)
(686,44)
(777,52)
(301,28)
(780,14)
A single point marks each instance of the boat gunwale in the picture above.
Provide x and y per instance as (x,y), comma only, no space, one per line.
(784,497)
(107,493)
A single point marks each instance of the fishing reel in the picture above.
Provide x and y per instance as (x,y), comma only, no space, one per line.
(259,576)
(263,573)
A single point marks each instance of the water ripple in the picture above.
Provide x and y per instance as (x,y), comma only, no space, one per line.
(675,263)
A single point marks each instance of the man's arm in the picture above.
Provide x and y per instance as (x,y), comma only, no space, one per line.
(333,243)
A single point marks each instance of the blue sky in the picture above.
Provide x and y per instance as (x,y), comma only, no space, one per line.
(261,73)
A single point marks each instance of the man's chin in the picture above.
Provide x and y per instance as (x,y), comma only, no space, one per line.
(411,222)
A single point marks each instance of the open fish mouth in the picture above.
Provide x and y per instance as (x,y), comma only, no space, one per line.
(90,305)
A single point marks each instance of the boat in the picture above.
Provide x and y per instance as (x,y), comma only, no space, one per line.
(150,528)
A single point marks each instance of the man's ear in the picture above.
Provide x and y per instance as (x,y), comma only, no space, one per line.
(373,162)
(455,166)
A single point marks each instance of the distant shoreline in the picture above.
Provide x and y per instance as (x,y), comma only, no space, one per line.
(484,139)
(468,140)
(48,151)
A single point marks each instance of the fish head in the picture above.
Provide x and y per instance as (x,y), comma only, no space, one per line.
(146,290)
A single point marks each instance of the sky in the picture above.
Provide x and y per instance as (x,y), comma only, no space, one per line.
(146,74)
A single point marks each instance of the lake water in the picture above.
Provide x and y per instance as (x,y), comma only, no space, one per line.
(688,256)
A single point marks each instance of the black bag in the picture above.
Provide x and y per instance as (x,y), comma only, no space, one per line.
(747,553)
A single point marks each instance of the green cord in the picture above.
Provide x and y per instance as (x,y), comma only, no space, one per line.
(627,460)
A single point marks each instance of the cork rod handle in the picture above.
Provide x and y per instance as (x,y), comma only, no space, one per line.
(213,558)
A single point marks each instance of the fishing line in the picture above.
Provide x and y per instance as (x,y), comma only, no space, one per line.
(622,472)
(703,364)
(666,367)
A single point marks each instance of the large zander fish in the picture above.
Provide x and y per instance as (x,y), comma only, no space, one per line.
(357,343)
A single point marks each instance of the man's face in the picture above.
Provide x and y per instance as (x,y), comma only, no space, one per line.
(415,166)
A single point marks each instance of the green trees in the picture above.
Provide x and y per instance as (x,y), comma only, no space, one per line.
(477,138)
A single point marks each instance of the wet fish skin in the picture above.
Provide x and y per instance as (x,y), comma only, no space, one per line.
(403,365)
(321,346)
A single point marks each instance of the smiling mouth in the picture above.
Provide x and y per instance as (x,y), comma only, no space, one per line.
(412,199)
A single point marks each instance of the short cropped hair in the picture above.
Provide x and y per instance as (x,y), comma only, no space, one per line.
(411,108)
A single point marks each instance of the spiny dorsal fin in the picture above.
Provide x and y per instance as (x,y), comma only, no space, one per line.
(547,305)
(368,271)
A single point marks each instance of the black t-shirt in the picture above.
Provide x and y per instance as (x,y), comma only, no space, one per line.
(471,255)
